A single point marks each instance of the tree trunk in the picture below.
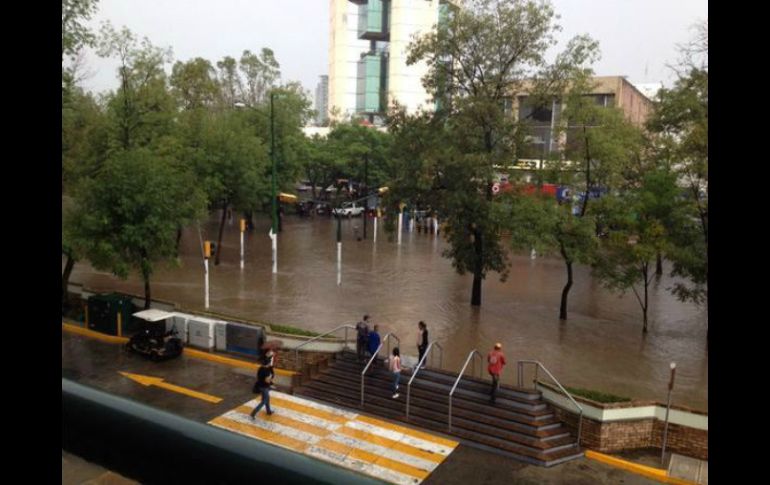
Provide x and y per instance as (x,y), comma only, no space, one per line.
(646,299)
(65,278)
(178,239)
(565,291)
(478,249)
(588,174)
(221,229)
(147,294)
(659,266)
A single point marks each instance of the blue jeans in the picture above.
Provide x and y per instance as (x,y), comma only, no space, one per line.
(396,381)
(265,401)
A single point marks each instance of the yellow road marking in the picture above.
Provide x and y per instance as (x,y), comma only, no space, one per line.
(287,421)
(318,413)
(647,471)
(392,444)
(367,457)
(158,382)
(262,434)
(408,431)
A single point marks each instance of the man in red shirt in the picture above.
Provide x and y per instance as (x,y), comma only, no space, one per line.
(496,361)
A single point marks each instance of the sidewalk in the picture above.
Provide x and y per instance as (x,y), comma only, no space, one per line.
(77,471)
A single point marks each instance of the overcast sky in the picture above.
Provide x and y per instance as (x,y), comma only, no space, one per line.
(637,37)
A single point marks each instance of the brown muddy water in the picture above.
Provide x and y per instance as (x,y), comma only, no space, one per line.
(600,347)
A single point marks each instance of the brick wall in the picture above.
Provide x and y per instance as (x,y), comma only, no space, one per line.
(615,436)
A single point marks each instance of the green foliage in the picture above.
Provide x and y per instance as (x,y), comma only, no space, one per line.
(597,396)
(74,34)
(194,83)
(127,216)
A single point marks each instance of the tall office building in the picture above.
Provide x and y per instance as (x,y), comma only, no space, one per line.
(322,101)
(368,52)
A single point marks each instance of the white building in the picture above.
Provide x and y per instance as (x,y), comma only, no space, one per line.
(368,52)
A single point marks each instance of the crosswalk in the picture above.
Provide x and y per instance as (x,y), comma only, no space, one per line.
(389,452)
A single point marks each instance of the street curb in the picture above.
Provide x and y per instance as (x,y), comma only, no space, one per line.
(646,471)
(196,354)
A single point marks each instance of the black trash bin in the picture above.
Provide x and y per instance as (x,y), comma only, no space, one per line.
(103,311)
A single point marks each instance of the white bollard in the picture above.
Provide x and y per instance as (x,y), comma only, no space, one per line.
(241,249)
(339,263)
(375,230)
(533,254)
(400,225)
(274,239)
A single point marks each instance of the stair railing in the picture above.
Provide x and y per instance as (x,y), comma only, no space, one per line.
(473,352)
(418,369)
(534,382)
(346,327)
(386,338)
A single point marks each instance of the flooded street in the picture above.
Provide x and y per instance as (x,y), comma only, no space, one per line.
(600,347)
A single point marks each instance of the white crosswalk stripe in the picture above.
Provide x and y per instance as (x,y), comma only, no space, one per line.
(370,446)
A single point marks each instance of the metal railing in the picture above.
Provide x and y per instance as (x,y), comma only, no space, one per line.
(386,338)
(418,369)
(346,327)
(534,385)
(457,381)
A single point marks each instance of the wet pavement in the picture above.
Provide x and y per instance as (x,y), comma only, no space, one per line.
(600,347)
(98,364)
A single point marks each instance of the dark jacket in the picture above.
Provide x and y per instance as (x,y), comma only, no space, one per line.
(264,377)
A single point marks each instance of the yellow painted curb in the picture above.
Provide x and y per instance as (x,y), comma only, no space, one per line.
(646,471)
(197,354)
(90,333)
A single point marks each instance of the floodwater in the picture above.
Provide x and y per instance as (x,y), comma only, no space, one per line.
(600,346)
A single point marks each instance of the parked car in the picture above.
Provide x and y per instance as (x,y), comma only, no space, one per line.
(349,209)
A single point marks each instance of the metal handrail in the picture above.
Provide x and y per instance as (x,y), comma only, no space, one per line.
(386,338)
(418,369)
(534,382)
(346,327)
(457,381)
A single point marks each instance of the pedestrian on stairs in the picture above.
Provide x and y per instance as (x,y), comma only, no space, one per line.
(422,340)
(374,342)
(362,337)
(394,365)
(496,360)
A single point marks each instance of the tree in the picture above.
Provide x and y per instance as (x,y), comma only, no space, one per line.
(142,110)
(261,73)
(74,34)
(637,234)
(485,54)
(126,217)
(539,222)
(680,141)
(231,164)
(194,83)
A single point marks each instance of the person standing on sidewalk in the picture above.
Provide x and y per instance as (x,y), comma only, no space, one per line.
(262,386)
(496,360)
(362,336)
(394,365)
(422,340)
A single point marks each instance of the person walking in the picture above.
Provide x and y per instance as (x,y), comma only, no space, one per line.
(264,381)
(362,336)
(496,360)
(422,341)
(394,365)
(374,341)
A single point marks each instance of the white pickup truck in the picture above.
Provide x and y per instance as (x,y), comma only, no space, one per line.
(349,209)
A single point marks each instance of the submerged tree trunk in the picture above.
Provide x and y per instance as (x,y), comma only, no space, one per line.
(565,291)
(221,229)
(659,266)
(178,239)
(477,267)
(65,278)
(646,296)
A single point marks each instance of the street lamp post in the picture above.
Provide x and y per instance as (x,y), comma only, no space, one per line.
(339,248)
(274,228)
(668,408)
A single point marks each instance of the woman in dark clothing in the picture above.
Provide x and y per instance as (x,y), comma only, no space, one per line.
(422,340)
